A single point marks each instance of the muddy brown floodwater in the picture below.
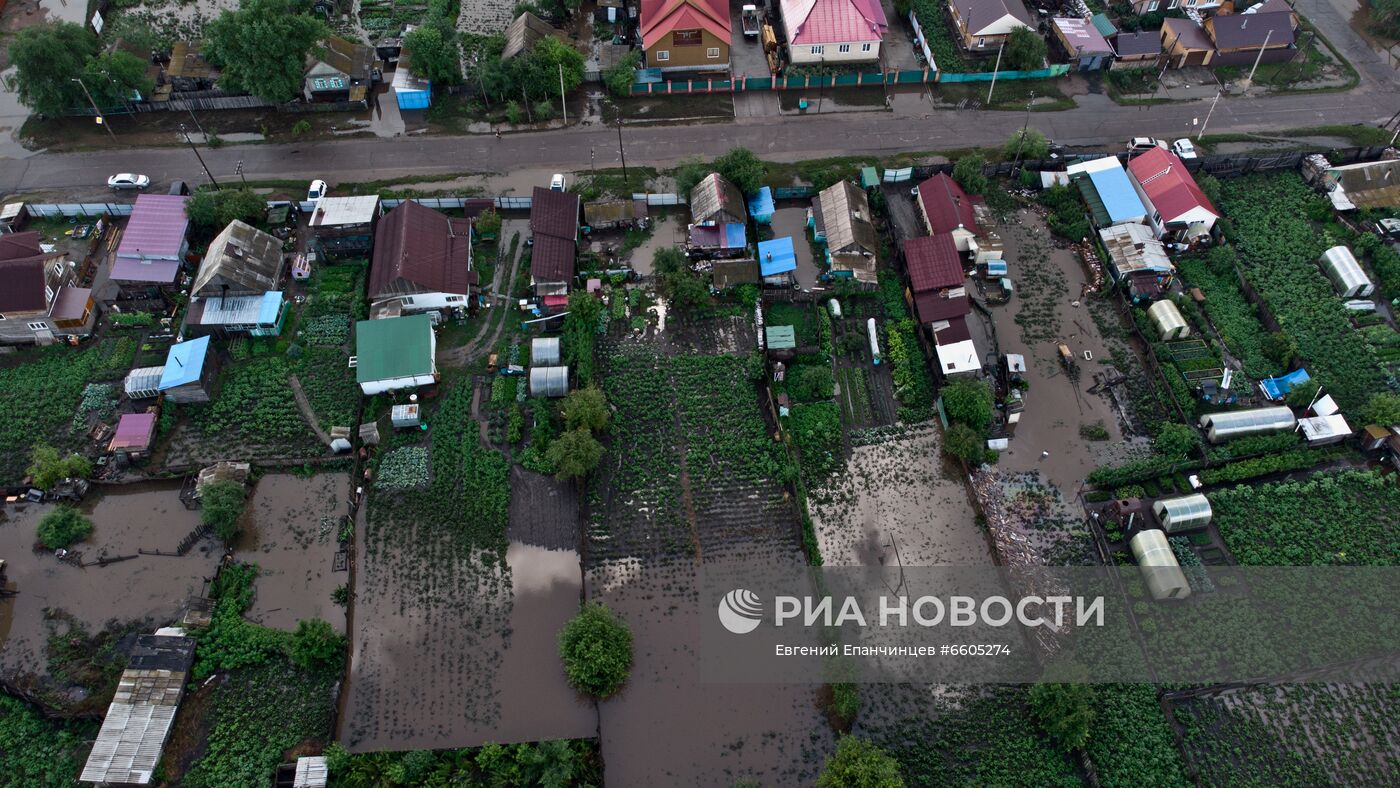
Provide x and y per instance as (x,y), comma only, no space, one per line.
(793,222)
(898,502)
(289,531)
(146,516)
(668,232)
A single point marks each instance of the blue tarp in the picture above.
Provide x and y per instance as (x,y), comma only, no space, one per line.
(1119,197)
(1277,388)
(761,206)
(777,256)
(184,363)
(996,268)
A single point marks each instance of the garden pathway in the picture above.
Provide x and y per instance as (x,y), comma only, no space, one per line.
(306,412)
(479,343)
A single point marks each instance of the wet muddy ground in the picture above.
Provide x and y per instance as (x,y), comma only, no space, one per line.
(667,232)
(1049,280)
(898,503)
(289,531)
(148,516)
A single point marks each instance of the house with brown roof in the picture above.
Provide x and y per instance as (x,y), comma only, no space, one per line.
(946,208)
(39,302)
(1265,32)
(422,262)
(983,25)
(340,71)
(554,236)
(1139,49)
(685,35)
(715,200)
(936,276)
(841,220)
(1186,44)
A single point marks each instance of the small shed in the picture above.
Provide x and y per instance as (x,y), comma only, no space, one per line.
(311,772)
(1322,430)
(777,259)
(1340,266)
(780,339)
(549,381)
(544,351)
(1168,320)
(187,371)
(135,433)
(761,206)
(395,353)
(144,382)
(1186,513)
(404,416)
(1160,569)
(1221,427)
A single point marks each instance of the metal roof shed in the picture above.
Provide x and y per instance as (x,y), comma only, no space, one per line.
(1186,513)
(395,353)
(777,256)
(184,363)
(549,381)
(544,351)
(780,337)
(1163,574)
(1221,427)
(1168,320)
(1322,430)
(1345,273)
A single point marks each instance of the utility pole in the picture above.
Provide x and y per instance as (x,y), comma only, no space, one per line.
(592,161)
(1259,57)
(1016,165)
(622,154)
(207,173)
(190,109)
(821,86)
(562,106)
(97,112)
(996,68)
(238,170)
(1208,114)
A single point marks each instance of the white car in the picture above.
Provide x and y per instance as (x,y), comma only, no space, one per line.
(317,191)
(1140,144)
(557,184)
(1184,149)
(127,180)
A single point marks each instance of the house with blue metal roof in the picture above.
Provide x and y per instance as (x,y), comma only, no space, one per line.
(1107,191)
(255,315)
(777,261)
(188,372)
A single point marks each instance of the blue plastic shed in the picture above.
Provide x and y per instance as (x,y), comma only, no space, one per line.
(761,206)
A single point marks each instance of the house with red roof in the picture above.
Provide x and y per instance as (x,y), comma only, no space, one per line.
(936,278)
(685,35)
(833,31)
(38,300)
(1181,212)
(946,208)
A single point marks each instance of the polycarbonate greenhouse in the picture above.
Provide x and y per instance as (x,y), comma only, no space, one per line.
(1347,277)
(1183,514)
(549,381)
(143,383)
(1163,574)
(544,351)
(1168,320)
(1238,423)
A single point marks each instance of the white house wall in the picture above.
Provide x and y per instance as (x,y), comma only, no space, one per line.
(802,55)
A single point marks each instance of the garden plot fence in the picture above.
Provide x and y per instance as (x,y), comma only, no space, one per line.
(916,76)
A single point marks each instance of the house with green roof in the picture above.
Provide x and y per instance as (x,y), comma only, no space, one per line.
(395,353)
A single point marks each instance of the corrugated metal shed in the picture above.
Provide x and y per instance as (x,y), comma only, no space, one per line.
(780,337)
(1183,514)
(1168,320)
(1347,277)
(1322,430)
(1163,574)
(404,416)
(345,211)
(549,381)
(138,721)
(1132,248)
(544,351)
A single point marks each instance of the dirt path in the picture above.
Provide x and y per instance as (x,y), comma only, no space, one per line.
(479,343)
(306,412)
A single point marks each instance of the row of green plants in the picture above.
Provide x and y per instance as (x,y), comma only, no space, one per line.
(1294,460)
(1234,317)
(1344,518)
(39,752)
(816,432)
(563,762)
(1271,223)
(912,385)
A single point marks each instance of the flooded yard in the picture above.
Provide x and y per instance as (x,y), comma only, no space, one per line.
(898,502)
(289,531)
(792,221)
(147,516)
(667,232)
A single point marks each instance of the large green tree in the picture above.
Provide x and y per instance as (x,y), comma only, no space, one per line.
(586,408)
(316,646)
(539,70)
(575,453)
(62,527)
(596,647)
(1383,409)
(221,504)
(1065,711)
(434,52)
(685,288)
(743,169)
(47,466)
(47,58)
(1025,50)
(858,763)
(262,47)
(968,402)
(968,173)
(113,76)
(211,210)
(1028,143)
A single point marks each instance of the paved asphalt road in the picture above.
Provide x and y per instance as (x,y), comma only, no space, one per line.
(1096,121)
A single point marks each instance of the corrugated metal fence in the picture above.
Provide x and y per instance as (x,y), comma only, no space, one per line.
(810,81)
